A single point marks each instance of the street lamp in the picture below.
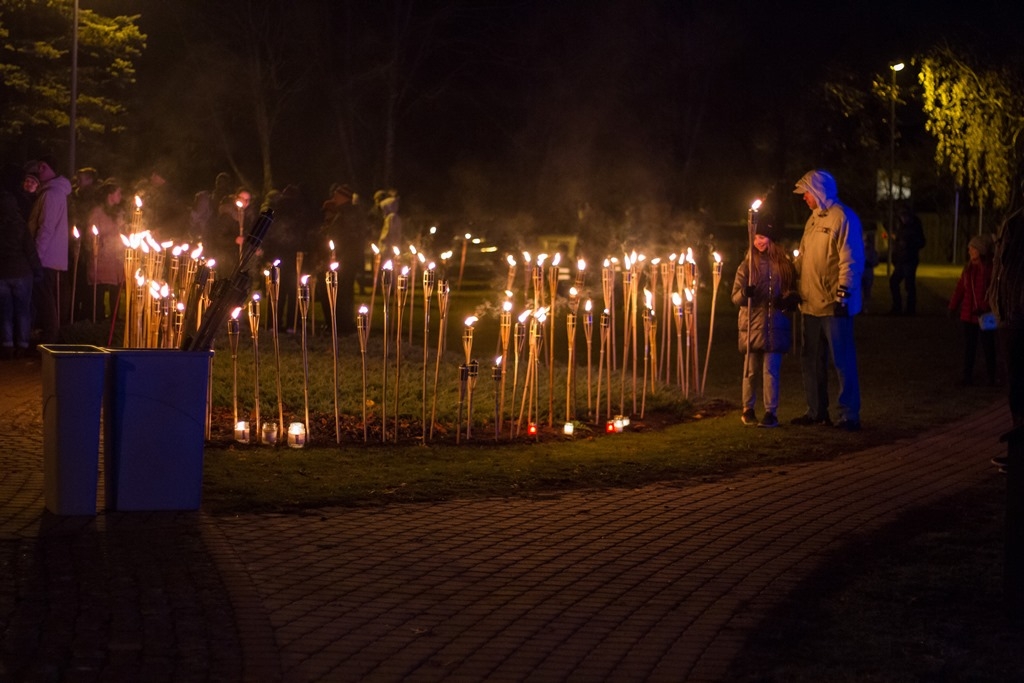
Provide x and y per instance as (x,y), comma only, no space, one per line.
(892,158)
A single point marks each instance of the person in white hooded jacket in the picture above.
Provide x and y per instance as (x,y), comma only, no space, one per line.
(48,223)
(829,265)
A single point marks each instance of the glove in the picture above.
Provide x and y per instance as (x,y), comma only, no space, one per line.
(791,301)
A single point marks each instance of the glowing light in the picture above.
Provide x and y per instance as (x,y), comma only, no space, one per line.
(471,320)
(756,205)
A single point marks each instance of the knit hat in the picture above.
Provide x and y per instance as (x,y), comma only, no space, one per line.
(983,243)
(764,224)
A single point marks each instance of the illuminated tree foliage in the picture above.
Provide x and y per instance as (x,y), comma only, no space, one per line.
(976,116)
(35,69)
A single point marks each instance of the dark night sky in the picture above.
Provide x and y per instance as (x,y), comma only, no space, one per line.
(539,105)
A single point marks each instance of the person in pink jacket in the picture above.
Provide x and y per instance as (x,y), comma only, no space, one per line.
(969,302)
(105,266)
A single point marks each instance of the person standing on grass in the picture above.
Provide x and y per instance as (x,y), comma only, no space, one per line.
(764,292)
(829,267)
(105,268)
(48,223)
(907,243)
(969,302)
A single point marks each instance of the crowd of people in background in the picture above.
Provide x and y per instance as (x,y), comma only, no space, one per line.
(62,255)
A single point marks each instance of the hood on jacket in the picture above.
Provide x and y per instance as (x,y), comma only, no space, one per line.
(58,183)
(822,185)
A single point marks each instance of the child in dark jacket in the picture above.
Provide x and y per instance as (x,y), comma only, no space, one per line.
(764,290)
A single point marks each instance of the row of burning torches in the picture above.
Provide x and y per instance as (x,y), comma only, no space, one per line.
(528,340)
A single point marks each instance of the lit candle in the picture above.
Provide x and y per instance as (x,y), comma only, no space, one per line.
(242,431)
(270,433)
(296,435)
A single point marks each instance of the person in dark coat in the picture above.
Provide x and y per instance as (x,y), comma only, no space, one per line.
(764,290)
(907,243)
(19,264)
(344,223)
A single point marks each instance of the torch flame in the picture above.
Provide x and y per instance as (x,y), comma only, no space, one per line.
(305,280)
(524,316)
(497,361)
(470,320)
(511,261)
(676,299)
(507,306)
(581,265)
(588,306)
(558,259)
(648,297)
(363,310)
(138,203)
(718,257)
(756,205)
(235,313)
(375,249)
(95,231)
(74,231)
(330,244)
(334,265)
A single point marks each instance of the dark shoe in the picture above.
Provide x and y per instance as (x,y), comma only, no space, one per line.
(848,425)
(807,420)
(749,418)
(769,420)
(1000,461)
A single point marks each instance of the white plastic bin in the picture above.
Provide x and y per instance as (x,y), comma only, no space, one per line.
(155,428)
(73,376)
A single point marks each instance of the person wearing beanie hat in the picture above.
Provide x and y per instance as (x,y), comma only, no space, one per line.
(764,291)
(830,265)
(969,302)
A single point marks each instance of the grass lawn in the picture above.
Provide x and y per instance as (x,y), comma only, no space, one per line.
(907,369)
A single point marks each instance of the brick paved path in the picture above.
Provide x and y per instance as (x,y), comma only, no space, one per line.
(660,583)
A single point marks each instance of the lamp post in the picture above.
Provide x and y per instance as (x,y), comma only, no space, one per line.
(893,68)
(74,88)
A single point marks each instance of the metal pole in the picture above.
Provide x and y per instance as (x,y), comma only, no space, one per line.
(892,167)
(74,89)
(893,68)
